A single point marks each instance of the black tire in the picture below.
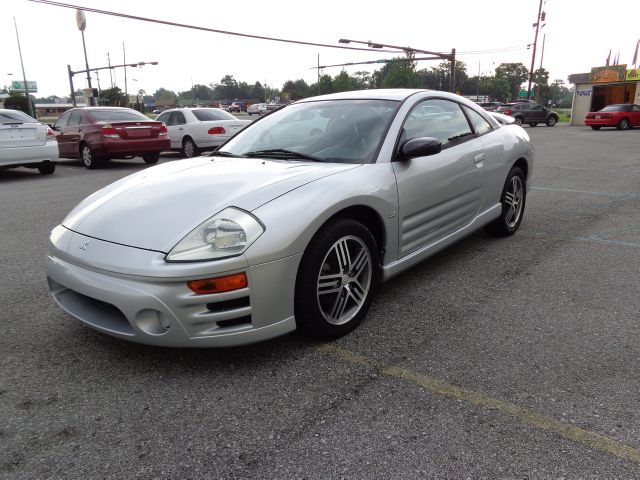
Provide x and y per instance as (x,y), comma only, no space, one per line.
(519,121)
(596,127)
(151,158)
(346,301)
(189,148)
(623,124)
(47,168)
(551,121)
(534,124)
(504,226)
(89,158)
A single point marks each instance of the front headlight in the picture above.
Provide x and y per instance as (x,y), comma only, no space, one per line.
(226,234)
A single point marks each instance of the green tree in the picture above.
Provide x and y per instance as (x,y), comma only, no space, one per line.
(114,97)
(343,82)
(514,74)
(326,84)
(163,94)
(295,90)
(362,80)
(19,102)
(541,85)
(257,92)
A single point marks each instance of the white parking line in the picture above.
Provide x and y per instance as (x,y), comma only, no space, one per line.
(590,192)
(592,238)
(593,169)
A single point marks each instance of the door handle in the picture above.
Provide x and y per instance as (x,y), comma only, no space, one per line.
(181,128)
(478,159)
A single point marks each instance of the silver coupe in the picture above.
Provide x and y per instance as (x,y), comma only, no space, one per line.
(292,223)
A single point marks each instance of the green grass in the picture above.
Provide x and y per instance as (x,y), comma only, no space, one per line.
(564,114)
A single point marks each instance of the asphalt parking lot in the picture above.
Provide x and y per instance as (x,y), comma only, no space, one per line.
(513,358)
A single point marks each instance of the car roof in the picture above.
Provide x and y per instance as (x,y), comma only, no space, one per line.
(398,94)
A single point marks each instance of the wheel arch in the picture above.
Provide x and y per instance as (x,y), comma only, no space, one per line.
(366,215)
(523,165)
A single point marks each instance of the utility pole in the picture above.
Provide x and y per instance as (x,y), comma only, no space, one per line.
(109,63)
(452,78)
(24,75)
(535,44)
(318,74)
(126,93)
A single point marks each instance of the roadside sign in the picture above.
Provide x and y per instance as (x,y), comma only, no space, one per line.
(18,86)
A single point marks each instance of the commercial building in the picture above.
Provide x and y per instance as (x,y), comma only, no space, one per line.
(603,86)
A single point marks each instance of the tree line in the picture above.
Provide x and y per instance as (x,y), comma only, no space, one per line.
(503,85)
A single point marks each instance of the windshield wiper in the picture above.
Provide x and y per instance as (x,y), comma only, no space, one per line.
(281,152)
(224,153)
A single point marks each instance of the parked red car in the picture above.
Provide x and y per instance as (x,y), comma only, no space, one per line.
(98,134)
(621,116)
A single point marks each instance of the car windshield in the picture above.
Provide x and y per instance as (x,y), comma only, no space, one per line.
(206,114)
(346,131)
(614,108)
(117,116)
(14,116)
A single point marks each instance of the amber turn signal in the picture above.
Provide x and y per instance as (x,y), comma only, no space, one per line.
(227,283)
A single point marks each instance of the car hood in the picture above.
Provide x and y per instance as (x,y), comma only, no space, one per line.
(155,208)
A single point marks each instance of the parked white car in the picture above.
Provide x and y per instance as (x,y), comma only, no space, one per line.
(24,142)
(257,108)
(192,130)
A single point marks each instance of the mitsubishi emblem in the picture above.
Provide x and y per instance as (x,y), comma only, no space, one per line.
(84,245)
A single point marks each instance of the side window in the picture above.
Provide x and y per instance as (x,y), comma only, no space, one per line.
(447,122)
(76,118)
(636,108)
(63,121)
(164,117)
(178,118)
(538,108)
(480,125)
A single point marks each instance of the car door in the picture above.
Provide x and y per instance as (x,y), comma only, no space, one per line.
(441,193)
(538,114)
(175,128)
(635,116)
(165,117)
(73,134)
(61,137)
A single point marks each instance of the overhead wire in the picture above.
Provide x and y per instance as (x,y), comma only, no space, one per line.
(205,29)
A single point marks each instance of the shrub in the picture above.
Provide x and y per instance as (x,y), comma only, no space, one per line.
(20,102)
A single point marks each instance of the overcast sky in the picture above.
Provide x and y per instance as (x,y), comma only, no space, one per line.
(579,35)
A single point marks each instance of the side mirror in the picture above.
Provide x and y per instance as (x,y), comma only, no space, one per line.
(420,147)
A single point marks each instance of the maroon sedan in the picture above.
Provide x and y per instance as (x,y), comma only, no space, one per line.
(98,134)
(621,116)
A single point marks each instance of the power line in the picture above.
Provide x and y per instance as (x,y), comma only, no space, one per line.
(195,27)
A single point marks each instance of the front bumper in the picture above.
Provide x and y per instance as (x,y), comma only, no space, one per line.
(162,311)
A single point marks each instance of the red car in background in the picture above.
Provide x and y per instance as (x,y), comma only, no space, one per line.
(98,134)
(620,115)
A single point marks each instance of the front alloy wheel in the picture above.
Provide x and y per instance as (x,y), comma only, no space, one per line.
(519,121)
(336,279)
(551,121)
(513,200)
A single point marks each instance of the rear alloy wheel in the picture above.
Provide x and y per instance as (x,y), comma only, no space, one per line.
(336,279)
(151,158)
(189,148)
(47,168)
(551,121)
(623,124)
(513,199)
(519,121)
(88,158)
(596,127)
